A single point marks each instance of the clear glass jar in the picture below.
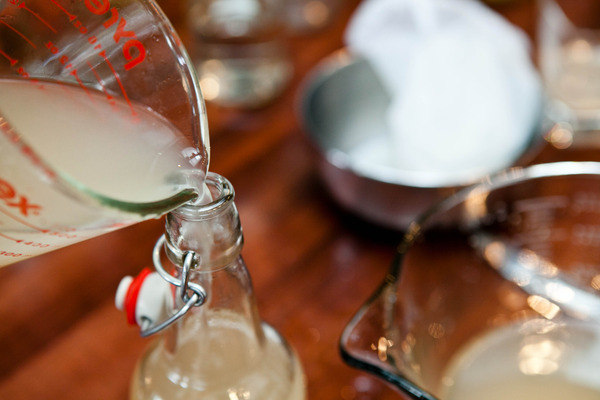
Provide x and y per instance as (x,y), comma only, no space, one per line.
(239,50)
(220,349)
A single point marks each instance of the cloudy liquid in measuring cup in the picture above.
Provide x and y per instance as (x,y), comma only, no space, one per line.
(506,365)
(113,150)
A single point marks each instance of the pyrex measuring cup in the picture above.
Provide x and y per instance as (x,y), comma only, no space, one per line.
(102,123)
(495,293)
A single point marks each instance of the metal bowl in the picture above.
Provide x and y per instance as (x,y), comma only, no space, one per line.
(341,103)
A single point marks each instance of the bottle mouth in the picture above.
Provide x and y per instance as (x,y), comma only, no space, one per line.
(222,193)
(212,231)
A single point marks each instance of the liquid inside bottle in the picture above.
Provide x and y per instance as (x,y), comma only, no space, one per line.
(224,362)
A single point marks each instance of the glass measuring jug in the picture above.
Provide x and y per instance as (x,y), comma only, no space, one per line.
(569,41)
(494,293)
(102,123)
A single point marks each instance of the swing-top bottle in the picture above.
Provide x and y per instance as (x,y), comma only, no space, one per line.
(220,349)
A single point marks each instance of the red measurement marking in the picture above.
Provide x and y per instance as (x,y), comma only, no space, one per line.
(71,16)
(62,235)
(80,82)
(11,254)
(25,242)
(100,81)
(103,55)
(36,15)
(22,221)
(27,151)
(9,238)
(19,33)
(9,58)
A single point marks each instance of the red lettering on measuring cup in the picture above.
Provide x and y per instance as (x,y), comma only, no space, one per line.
(21,71)
(79,26)
(130,54)
(133,50)
(11,198)
(53,49)
(121,32)
(98,7)
(6,190)
(114,17)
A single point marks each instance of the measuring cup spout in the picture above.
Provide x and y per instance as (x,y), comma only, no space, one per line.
(369,343)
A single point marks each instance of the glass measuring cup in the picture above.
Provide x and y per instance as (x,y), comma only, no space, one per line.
(494,293)
(569,42)
(102,123)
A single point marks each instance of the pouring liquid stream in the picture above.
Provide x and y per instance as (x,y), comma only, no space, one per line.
(75,163)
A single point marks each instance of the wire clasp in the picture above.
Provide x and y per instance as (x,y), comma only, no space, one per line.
(192,294)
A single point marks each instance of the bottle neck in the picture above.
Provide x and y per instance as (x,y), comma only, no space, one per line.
(212,231)
(229,314)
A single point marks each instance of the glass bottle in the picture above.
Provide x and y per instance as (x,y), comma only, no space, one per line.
(239,50)
(220,349)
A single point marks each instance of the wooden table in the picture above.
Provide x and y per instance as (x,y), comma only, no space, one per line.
(312,264)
